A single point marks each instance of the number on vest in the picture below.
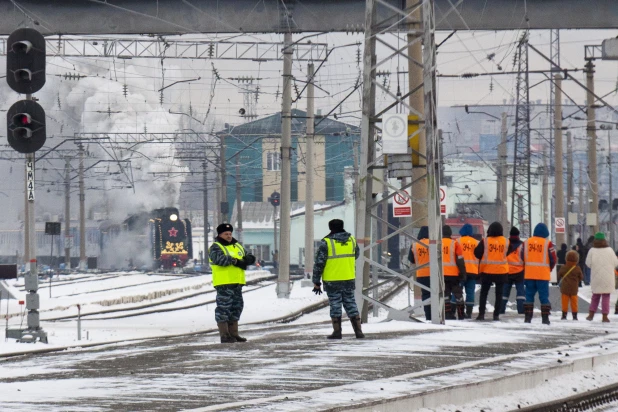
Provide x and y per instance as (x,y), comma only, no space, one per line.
(496,248)
(535,248)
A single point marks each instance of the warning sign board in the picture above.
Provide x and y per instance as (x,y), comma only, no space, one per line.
(443,200)
(559,224)
(402,204)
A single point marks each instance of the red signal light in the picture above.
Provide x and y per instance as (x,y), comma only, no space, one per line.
(24,120)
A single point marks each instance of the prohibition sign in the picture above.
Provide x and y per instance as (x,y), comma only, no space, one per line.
(442,195)
(400,199)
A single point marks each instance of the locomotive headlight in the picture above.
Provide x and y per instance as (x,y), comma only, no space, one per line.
(173,217)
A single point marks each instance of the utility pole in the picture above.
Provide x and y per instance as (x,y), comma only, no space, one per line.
(503,158)
(283,282)
(570,191)
(26,222)
(205,207)
(592,144)
(545,196)
(238,201)
(582,206)
(559,181)
(309,223)
(224,206)
(67,212)
(611,192)
(83,263)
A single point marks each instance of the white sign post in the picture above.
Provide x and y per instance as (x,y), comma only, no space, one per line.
(30,180)
(559,224)
(443,200)
(402,204)
(395,133)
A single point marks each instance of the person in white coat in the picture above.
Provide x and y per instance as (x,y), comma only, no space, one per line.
(602,262)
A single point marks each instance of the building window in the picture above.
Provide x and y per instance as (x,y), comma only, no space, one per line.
(261,252)
(273,161)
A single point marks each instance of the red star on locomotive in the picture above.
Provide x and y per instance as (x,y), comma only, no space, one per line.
(173,232)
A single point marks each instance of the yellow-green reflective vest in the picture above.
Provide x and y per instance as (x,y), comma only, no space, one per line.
(228,275)
(340,262)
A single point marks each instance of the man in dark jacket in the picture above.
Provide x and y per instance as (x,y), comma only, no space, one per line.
(516,273)
(589,245)
(335,266)
(494,267)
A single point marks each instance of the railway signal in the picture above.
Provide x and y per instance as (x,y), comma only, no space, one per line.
(26,126)
(25,74)
(275,199)
(25,61)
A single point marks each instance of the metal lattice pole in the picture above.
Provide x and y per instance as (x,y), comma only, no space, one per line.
(521,213)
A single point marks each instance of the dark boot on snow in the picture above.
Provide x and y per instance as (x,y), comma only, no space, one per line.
(356,325)
(528,312)
(563,316)
(469,309)
(233,328)
(461,315)
(574,315)
(224,333)
(448,311)
(481,316)
(336,329)
(545,309)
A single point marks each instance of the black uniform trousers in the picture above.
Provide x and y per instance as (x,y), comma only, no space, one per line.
(486,281)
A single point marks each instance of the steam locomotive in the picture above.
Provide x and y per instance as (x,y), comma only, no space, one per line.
(172,244)
(157,239)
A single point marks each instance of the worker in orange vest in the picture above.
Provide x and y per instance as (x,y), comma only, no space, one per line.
(419,255)
(539,258)
(454,270)
(516,273)
(468,244)
(494,267)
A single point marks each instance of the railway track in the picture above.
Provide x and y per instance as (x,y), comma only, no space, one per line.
(606,396)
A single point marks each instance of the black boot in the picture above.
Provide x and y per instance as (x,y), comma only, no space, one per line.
(496,316)
(574,315)
(469,309)
(528,312)
(545,309)
(233,328)
(224,333)
(461,315)
(336,329)
(563,316)
(356,325)
(448,311)
(481,316)
(616,310)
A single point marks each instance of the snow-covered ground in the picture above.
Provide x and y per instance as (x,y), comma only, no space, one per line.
(184,300)
(108,296)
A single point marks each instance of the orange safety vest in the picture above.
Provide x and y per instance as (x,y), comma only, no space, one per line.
(468,244)
(494,258)
(421,257)
(516,264)
(536,259)
(449,267)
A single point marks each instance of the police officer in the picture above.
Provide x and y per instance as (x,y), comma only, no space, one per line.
(228,261)
(539,259)
(419,256)
(468,244)
(494,267)
(454,269)
(335,265)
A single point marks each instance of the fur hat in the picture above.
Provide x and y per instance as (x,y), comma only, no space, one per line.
(572,256)
(224,227)
(514,231)
(336,225)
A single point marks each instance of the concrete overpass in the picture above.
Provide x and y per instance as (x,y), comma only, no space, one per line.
(267,16)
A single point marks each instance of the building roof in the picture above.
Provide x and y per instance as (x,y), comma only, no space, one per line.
(271,126)
(259,215)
